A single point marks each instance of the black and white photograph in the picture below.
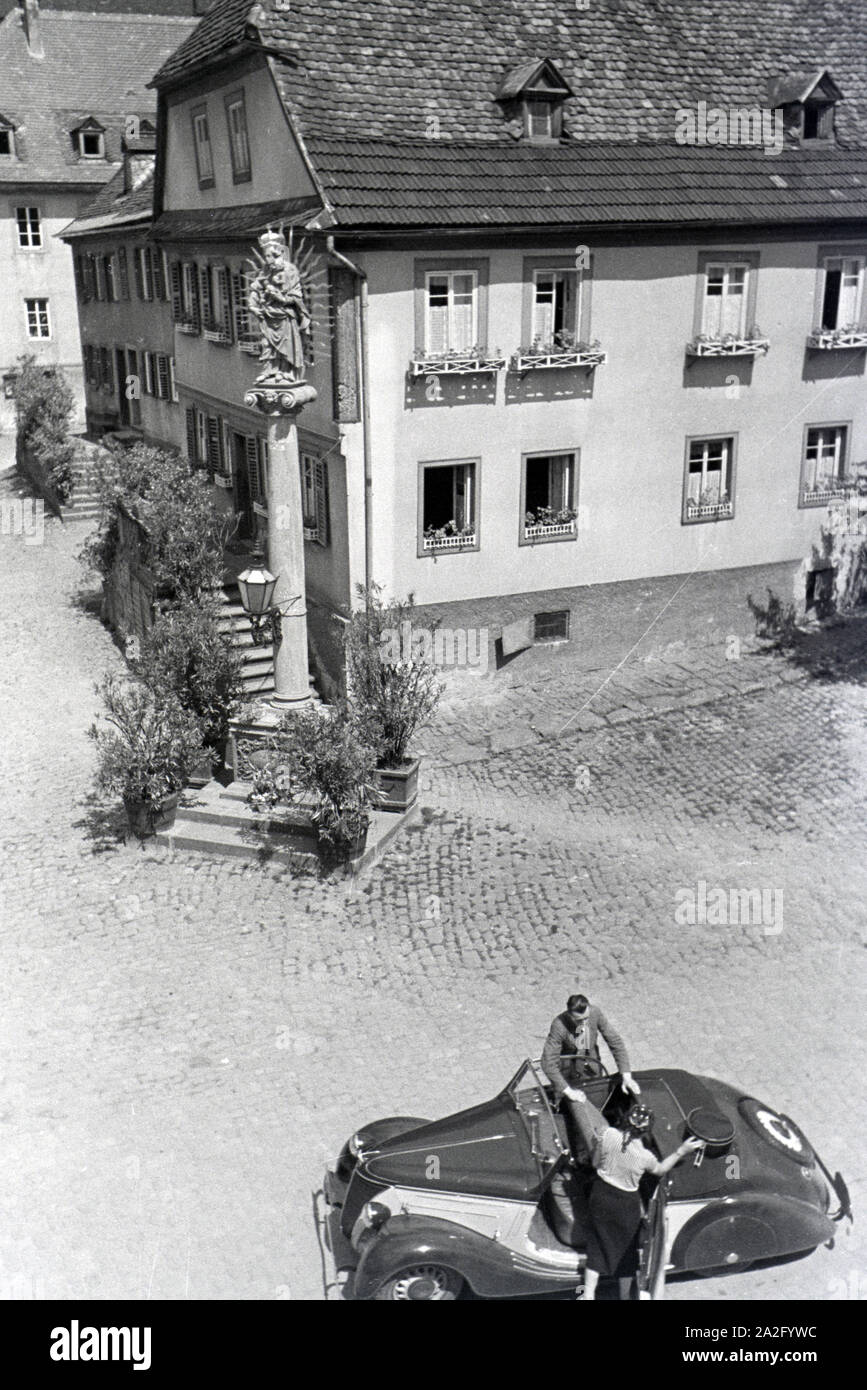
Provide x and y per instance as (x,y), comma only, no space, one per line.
(433,548)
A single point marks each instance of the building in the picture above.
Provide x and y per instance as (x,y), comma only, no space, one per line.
(588,284)
(73,94)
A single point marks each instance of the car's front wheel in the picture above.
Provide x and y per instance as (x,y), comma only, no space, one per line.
(421,1284)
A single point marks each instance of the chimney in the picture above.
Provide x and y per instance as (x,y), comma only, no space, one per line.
(30,11)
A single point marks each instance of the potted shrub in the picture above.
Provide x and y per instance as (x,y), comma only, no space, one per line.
(394,689)
(145,753)
(323,761)
(184,656)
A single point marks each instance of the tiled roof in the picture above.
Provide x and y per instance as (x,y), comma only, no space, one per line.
(439,183)
(385,68)
(222,224)
(94,65)
(112,207)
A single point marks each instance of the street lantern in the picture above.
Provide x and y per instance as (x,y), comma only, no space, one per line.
(256,585)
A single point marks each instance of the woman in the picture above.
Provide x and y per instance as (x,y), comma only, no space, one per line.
(620,1158)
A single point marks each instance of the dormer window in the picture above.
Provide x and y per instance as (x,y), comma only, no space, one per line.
(7,139)
(89,140)
(809,101)
(535,92)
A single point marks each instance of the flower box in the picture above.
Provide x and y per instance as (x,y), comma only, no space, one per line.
(816,497)
(450,542)
(833,339)
(455,364)
(708,511)
(727,347)
(527,361)
(261,509)
(252,346)
(223,480)
(216,335)
(187,326)
(311,533)
(542,530)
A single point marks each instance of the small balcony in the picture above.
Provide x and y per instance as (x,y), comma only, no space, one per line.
(562,352)
(546,524)
(752,344)
(474,362)
(707,510)
(838,339)
(216,333)
(827,489)
(449,537)
(189,326)
(250,344)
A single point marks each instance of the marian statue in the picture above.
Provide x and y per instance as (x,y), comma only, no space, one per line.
(276,299)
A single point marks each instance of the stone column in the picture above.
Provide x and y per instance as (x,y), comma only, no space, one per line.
(282,405)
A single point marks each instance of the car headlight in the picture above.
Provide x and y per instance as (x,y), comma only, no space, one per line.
(374,1215)
(354,1146)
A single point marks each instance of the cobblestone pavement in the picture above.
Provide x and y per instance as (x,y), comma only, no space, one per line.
(189,1040)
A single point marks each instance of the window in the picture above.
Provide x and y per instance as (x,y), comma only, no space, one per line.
(823,472)
(89,140)
(7,142)
(239,145)
(190,311)
(818,120)
(555,304)
(709,481)
(143,271)
(314,498)
(105,369)
(543,118)
(29,228)
(88,276)
(98,278)
(149,374)
(548,497)
(725,298)
(245,331)
(842,294)
(123,273)
(111,286)
(202,147)
(448,505)
(451,323)
(551,627)
(38,323)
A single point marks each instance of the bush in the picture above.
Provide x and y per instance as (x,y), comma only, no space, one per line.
(185,534)
(150,744)
(774,619)
(322,757)
(43,405)
(391,699)
(185,657)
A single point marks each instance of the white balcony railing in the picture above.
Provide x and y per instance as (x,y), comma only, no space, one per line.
(455,364)
(832,339)
(530,361)
(187,326)
(816,496)
(727,347)
(461,542)
(311,533)
(223,480)
(217,335)
(252,346)
(552,528)
(708,511)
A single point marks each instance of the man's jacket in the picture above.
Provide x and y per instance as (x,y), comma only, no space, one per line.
(567,1043)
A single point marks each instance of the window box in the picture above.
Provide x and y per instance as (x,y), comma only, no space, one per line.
(447,538)
(729,346)
(832,339)
(187,326)
(251,346)
(536,531)
(456,364)
(544,356)
(216,335)
(261,509)
(709,511)
(223,480)
(311,533)
(827,490)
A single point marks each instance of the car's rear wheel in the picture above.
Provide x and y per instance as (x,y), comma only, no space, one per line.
(422,1284)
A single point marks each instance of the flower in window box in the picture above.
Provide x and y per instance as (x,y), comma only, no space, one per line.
(529,518)
(565,514)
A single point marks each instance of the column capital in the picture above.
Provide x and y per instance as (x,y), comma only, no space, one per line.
(279,398)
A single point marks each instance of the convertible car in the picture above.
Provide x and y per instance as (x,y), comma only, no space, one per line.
(494,1199)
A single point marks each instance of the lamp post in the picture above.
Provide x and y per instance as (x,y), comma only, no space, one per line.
(280,393)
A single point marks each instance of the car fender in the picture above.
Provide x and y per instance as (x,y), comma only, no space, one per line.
(372,1136)
(490,1269)
(741,1229)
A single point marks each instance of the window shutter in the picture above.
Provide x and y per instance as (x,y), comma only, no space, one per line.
(196,297)
(163,383)
(251,451)
(192,452)
(123,272)
(177,293)
(263,464)
(201,438)
(321,475)
(344,347)
(207,309)
(98,281)
(136,270)
(79,276)
(224,299)
(215,444)
(149,373)
(106,369)
(173,389)
(157,273)
(244,330)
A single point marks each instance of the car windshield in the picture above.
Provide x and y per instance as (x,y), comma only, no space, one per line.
(527,1091)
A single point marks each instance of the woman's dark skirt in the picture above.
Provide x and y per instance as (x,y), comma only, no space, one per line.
(612,1241)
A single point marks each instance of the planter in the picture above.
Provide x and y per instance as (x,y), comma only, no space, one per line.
(144,820)
(204,769)
(398,786)
(343,851)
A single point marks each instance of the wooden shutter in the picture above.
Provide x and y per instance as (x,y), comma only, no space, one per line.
(123,272)
(79,276)
(251,451)
(177,292)
(344,347)
(157,273)
(244,330)
(201,437)
(223,296)
(192,452)
(163,383)
(207,301)
(215,444)
(321,476)
(196,304)
(262,443)
(136,270)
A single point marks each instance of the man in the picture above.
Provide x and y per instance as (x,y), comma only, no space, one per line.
(571,1049)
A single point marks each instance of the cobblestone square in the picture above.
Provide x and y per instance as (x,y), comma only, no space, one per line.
(189,1040)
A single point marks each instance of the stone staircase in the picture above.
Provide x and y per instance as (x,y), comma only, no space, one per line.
(258,662)
(84,503)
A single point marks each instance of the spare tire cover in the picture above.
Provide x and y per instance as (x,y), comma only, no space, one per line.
(778,1131)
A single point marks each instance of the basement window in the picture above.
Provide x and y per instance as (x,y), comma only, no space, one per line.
(551,627)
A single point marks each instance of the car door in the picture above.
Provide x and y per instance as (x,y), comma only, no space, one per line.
(652,1253)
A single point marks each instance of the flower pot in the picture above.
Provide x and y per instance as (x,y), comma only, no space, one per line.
(344,851)
(202,772)
(145,820)
(398,786)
